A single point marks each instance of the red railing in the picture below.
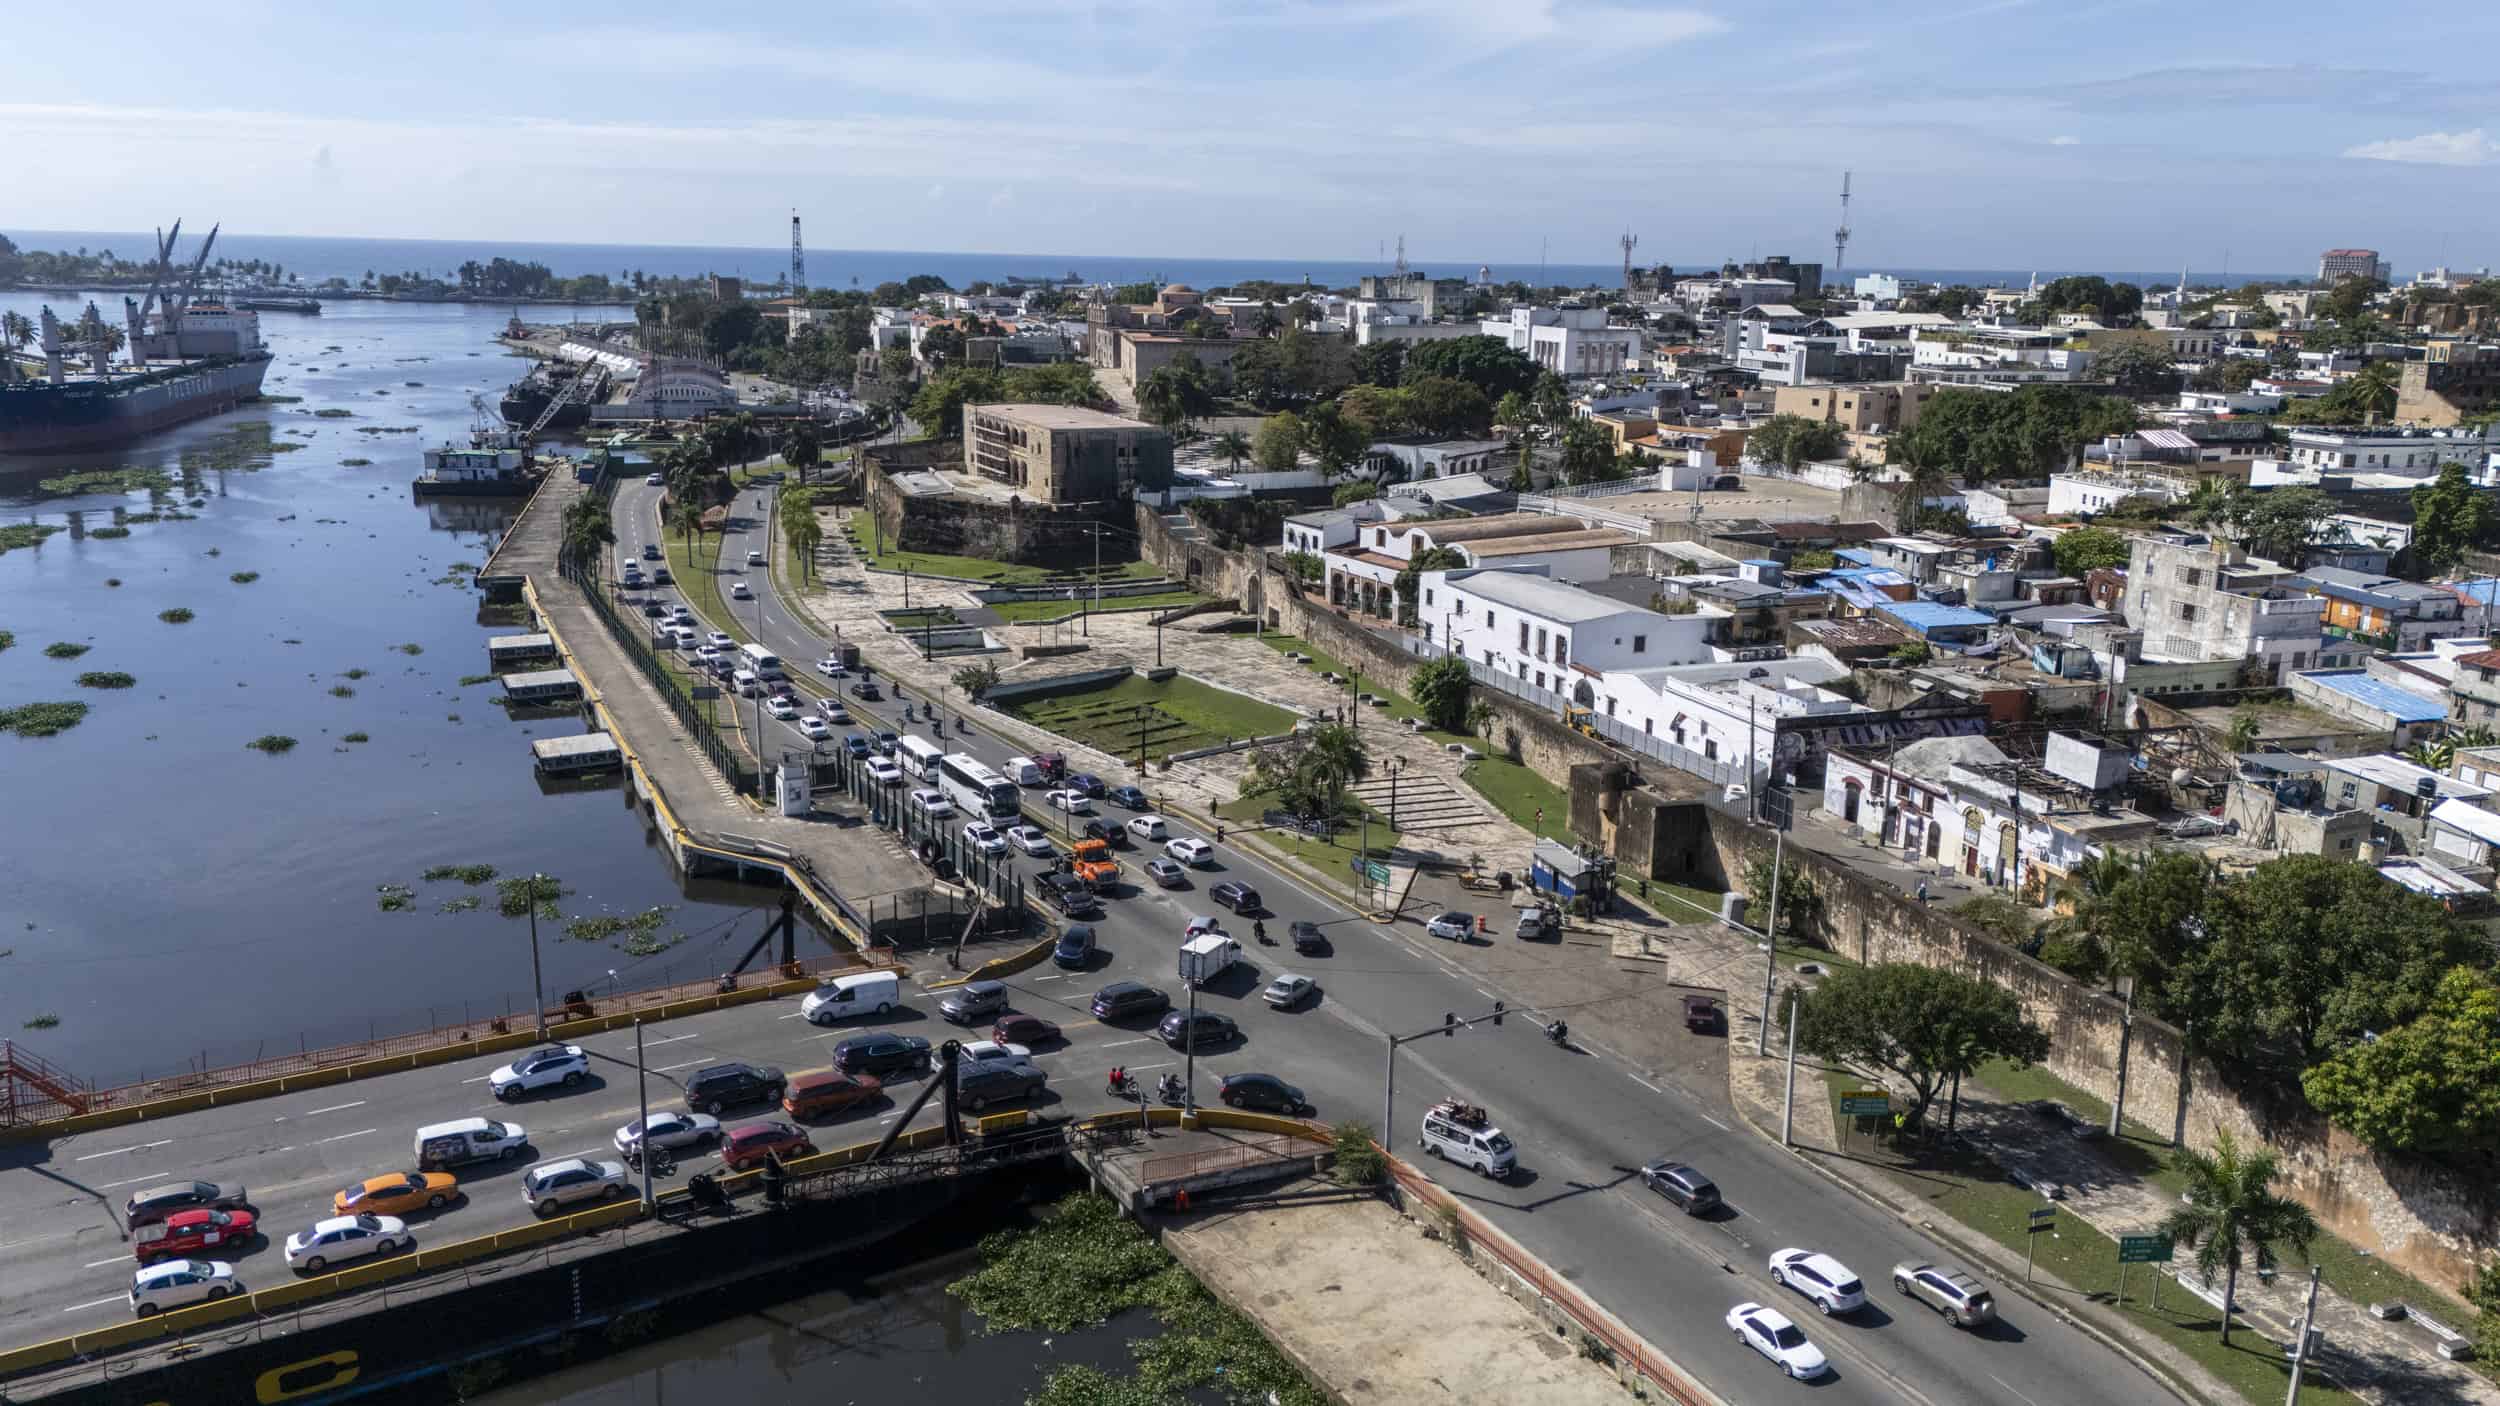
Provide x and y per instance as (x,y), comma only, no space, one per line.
(1627,1346)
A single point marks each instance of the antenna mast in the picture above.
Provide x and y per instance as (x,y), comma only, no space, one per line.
(1400,270)
(1840,236)
(1627,241)
(798,260)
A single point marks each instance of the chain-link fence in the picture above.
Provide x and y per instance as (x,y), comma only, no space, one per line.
(725,756)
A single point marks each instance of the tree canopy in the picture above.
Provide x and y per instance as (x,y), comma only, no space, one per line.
(1439,689)
(1307,774)
(2085,548)
(1794,441)
(2024,434)
(2431,1084)
(1487,363)
(1276,445)
(1175,393)
(2450,517)
(1924,1024)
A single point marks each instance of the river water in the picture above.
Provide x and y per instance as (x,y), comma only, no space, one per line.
(172,896)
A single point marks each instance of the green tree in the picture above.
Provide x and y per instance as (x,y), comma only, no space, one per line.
(1232,446)
(2431,1085)
(1912,652)
(1348,494)
(1588,453)
(1447,406)
(1277,444)
(1380,363)
(1307,774)
(2450,518)
(1551,397)
(1925,1024)
(2230,374)
(1794,441)
(1177,393)
(16,329)
(1440,690)
(939,404)
(2085,548)
(2231,1211)
(2137,368)
(1813,559)
(1513,411)
(1408,582)
(1381,410)
(1336,440)
(1487,363)
(976,679)
(1306,567)
(686,516)
(1800,900)
(2215,500)
(1058,383)
(2283,520)
(583,532)
(801,448)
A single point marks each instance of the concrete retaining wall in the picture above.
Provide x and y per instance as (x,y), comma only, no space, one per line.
(1030,532)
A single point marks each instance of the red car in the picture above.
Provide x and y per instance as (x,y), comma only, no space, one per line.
(1023,1030)
(748,1144)
(213,1234)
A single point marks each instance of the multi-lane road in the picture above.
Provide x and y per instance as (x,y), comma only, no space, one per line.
(1582,1119)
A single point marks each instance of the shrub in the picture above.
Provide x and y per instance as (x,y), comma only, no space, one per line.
(105,678)
(108,533)
(244,578)
(175,616)
(356,737)
(272,743)
(42,719)
(1358,1161)
(65,650)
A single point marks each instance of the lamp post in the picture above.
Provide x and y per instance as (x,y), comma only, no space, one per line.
(642,1093)
(538,990)
(1395,765)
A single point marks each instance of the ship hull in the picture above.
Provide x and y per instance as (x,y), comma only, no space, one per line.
(43,419)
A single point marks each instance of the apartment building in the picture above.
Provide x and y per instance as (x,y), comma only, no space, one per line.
(1065,453)
(2197,599)
(1551,634)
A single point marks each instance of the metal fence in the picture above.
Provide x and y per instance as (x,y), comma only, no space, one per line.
(1721,771)
(1645,483)
(1640,527)
(725,757)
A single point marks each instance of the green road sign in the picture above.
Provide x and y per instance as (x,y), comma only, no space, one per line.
(1376,872)
(2144,1249)
(1864,1103)
(2043,1219)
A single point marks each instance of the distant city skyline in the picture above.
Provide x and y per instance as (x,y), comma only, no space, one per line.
(1998,134)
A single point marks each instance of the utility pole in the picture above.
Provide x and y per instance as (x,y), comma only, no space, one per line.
(2300,1345)
(1788,1102)
(1771,940)
(642,1092)
(538,990)
(1189,1056)
(1450,1025)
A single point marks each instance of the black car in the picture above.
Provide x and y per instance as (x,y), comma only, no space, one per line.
(881,1054)
(1262,1091)
(1685,1188)
(1069,895)
(722,1086)
(1129,998)
(973,1001)
(1110,832)
(1196,1029)
(654,609)
(984,1084)
(158,1202)
(1088,783)
(1308,940)
(1075,946)
(1127,796)
(1241,898)
(866,689)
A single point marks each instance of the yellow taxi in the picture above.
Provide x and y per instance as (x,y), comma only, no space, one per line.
(398,1194)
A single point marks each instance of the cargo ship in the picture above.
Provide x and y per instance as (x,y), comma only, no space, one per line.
(555,395)
(180,359)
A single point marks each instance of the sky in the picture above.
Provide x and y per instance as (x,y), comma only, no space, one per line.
(1999,134)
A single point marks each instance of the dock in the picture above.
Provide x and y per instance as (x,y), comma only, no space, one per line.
(503,651)
(540,686)
(575,756)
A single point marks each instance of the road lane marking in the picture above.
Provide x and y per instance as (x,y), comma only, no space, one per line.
(118,1151)
(337,1108)
(131,1181)
(791,1016)
(360,1132)
(1644,1083)
(1722,1127)
(689,1064)
(97,1303)
(125,1259)
(673,1039)
(1115,1044)
(2009,1386)
(482,1078)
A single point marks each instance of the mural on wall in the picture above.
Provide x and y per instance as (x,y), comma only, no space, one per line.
(1799,746)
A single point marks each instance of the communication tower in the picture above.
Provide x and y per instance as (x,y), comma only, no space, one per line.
(798,260)
(1627,241)
(1840,236)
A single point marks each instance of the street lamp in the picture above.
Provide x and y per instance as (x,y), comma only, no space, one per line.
(538,990)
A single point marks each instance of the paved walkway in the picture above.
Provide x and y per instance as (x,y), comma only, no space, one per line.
(1376,1313)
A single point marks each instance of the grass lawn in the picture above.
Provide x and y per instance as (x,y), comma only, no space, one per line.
(2358,1276)
(693,568)
(1033,612)
(1180,714)
(1520,793)
(974,568)
(1974,1194)
(1330,855)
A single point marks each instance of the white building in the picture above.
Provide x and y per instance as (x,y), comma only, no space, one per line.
(2351,263)
(1722,712)
(1569,340)
(2411,453)
(1362,573)
(1972,356)
(2199,599)
(1882,287)
(1553,635)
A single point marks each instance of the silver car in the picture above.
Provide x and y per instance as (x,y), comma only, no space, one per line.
(667,1130)
(551,1186)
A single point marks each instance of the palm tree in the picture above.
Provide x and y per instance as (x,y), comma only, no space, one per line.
(1337,754)
(1479,717)
(16,329)
(2374,386)
(2212,500)
(805,534)
(2231,1207)
(1233,445)
(686,516)
(2474,736)
(2432,756)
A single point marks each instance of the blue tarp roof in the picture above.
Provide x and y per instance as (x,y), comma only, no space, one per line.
(2402,704)
(2481,592)
(1921,616)
(1860,555)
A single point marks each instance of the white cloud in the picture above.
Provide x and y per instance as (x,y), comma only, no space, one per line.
(2467,148)
(2065,141)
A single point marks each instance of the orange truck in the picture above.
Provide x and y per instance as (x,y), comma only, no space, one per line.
(1091,861)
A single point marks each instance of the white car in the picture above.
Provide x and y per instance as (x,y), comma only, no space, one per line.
(1819,1277)
(815,729)
(548,1067)
(1768,1331)
(178,1283)
(1288,991)
(1735,793)
(1073,802)
(686,637)
(346,1238)
(654,480)
(784,707)
(991,1052)
(1200,925)
(934,802)
(551,1186)
(681,615)
(754,557)
(720,640)
(1457,927)
(831,668)
(708,655)
(738,591)
(985,838)
(667,1130)
(1191,850)
(1148,827)
(884,772)
(1031,840)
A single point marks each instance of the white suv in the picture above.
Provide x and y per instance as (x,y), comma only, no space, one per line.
(553,1185)
(178,1283)
(550,1066)
(345,1238)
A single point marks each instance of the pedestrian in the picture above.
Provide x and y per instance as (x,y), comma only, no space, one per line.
(1922,890)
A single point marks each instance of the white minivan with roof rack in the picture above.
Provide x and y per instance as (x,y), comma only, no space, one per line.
(1463,1133)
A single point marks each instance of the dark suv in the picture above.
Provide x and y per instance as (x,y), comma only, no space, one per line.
(1110,832)
(1070,896)
(1122,999)
(1075,947)
(984,1084)
(1184,1030)
(1685,1188)
(1241,898)
(969,1003)
(721,1086)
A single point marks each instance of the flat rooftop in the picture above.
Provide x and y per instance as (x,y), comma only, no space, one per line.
(1060,417)
(1770,499)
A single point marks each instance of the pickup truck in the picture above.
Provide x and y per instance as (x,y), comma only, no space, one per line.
(1091,861)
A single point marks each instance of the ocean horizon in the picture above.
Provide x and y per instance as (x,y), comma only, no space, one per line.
(316,258)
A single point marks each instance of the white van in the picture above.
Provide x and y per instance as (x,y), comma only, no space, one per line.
(761,662)
(1465,1136)
(466,1140)
(852,994)
(745,683)
(1024,771)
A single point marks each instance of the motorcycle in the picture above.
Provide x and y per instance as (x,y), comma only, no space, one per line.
(1259,930)
(1121,1085)
(1559,1033)
(663,1164)
(1172,1091)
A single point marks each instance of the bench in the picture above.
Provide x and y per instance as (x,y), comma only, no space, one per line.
(2452,1345)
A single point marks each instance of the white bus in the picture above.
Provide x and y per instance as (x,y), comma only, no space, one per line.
(761,662)
(918,757)
(975,789)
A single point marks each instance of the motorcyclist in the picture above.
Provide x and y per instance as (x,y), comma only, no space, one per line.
(1558,1032)
(1170,1088)
(1258,929)
(1119,1080)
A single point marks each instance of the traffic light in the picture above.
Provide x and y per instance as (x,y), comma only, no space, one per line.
(1449,1022)
(1498,1008)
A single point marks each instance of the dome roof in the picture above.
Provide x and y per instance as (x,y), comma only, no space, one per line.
(1178,288)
